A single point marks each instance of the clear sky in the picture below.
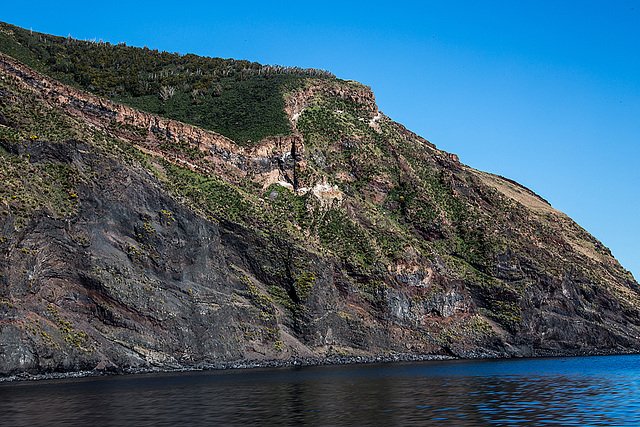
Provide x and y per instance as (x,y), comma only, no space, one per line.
(543,92)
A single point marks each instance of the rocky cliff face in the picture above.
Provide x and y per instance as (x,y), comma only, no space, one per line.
(133,241)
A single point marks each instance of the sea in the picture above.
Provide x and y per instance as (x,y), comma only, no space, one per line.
(587,391)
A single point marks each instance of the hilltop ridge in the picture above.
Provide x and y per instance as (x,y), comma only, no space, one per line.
(133,240)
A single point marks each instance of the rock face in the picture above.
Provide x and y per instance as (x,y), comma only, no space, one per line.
(296,102)
(134,241)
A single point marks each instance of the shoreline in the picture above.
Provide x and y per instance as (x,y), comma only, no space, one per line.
(238,364)
(295,362)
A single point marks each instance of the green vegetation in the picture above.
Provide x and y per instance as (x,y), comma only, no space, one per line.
(28,188)
(412,206)
(346,238)
(331,120)
(31,185)
(71,336)
(236,98)
(404,209)
(245,111)
(300,210)
(213,196)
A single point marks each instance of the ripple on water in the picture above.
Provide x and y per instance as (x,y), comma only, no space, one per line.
(565,391)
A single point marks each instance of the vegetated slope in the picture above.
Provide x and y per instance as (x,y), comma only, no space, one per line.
(239,99)
(130,240)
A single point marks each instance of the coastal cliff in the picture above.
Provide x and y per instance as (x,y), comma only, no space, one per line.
(130,241)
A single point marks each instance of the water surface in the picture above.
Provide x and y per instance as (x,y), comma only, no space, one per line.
(602,390)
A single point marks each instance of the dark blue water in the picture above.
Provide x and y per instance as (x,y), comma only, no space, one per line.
(563,391)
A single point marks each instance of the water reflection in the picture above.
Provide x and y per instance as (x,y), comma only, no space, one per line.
(593,391)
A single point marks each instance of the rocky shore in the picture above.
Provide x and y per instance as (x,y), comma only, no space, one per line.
(294,362)
(242,364)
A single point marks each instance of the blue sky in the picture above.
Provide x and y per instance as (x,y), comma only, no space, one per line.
(545,93)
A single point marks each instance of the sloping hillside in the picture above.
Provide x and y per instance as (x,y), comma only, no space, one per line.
(133,240)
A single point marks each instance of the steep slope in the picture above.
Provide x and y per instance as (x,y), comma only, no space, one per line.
(131,240)
(239,99)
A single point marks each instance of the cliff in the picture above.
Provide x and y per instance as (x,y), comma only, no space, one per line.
(130,240)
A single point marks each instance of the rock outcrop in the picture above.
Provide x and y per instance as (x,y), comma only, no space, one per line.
(142,242)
